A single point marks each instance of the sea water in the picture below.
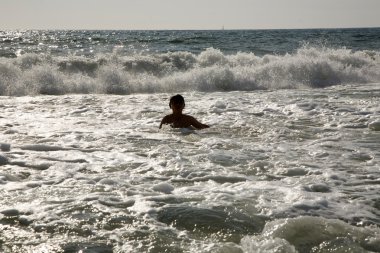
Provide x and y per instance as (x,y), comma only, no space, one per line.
(290,162)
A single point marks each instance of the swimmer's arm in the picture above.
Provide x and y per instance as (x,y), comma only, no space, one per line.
(164,121)
(198,125)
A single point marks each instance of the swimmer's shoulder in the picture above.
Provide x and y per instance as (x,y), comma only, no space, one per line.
(168,118)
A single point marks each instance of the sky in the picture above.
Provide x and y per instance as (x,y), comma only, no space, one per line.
(188,15)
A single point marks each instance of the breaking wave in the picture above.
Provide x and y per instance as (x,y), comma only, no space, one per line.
(211,70)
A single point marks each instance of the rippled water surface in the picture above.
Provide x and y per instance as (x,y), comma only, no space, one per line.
(278,171)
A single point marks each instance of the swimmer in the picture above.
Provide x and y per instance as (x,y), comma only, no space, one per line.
(179,120)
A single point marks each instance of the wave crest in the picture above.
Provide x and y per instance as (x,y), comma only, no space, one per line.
(211,70)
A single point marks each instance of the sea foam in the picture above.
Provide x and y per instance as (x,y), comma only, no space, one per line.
(211,70)
(313,234)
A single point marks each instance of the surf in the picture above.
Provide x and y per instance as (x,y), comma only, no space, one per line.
(210,71)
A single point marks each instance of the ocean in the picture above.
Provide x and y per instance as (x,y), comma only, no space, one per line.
(290,163)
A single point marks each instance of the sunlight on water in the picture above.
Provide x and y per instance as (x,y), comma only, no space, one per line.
(130,62)
(278,171)
(289,164)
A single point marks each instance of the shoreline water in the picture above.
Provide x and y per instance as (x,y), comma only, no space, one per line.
(290,169)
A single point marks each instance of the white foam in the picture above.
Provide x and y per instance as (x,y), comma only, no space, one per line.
(264,154)
(263,245)
(375,125)
(164,188)
(211,70)
(304,233)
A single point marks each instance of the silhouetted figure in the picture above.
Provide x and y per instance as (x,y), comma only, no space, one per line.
(179,120)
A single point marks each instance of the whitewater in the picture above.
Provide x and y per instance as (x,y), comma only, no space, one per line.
(290,163)
(211,70)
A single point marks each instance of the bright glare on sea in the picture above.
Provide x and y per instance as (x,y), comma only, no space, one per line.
(291,162)
(279,171)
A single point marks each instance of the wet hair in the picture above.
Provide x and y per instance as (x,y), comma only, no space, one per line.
(177,99)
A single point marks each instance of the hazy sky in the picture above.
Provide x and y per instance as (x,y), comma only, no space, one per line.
(190,14)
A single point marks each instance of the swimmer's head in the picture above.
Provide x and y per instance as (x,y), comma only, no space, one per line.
(177,100)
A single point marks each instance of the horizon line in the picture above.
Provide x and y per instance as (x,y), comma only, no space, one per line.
(223,28)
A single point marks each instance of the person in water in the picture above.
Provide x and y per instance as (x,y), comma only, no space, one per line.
(179,120)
